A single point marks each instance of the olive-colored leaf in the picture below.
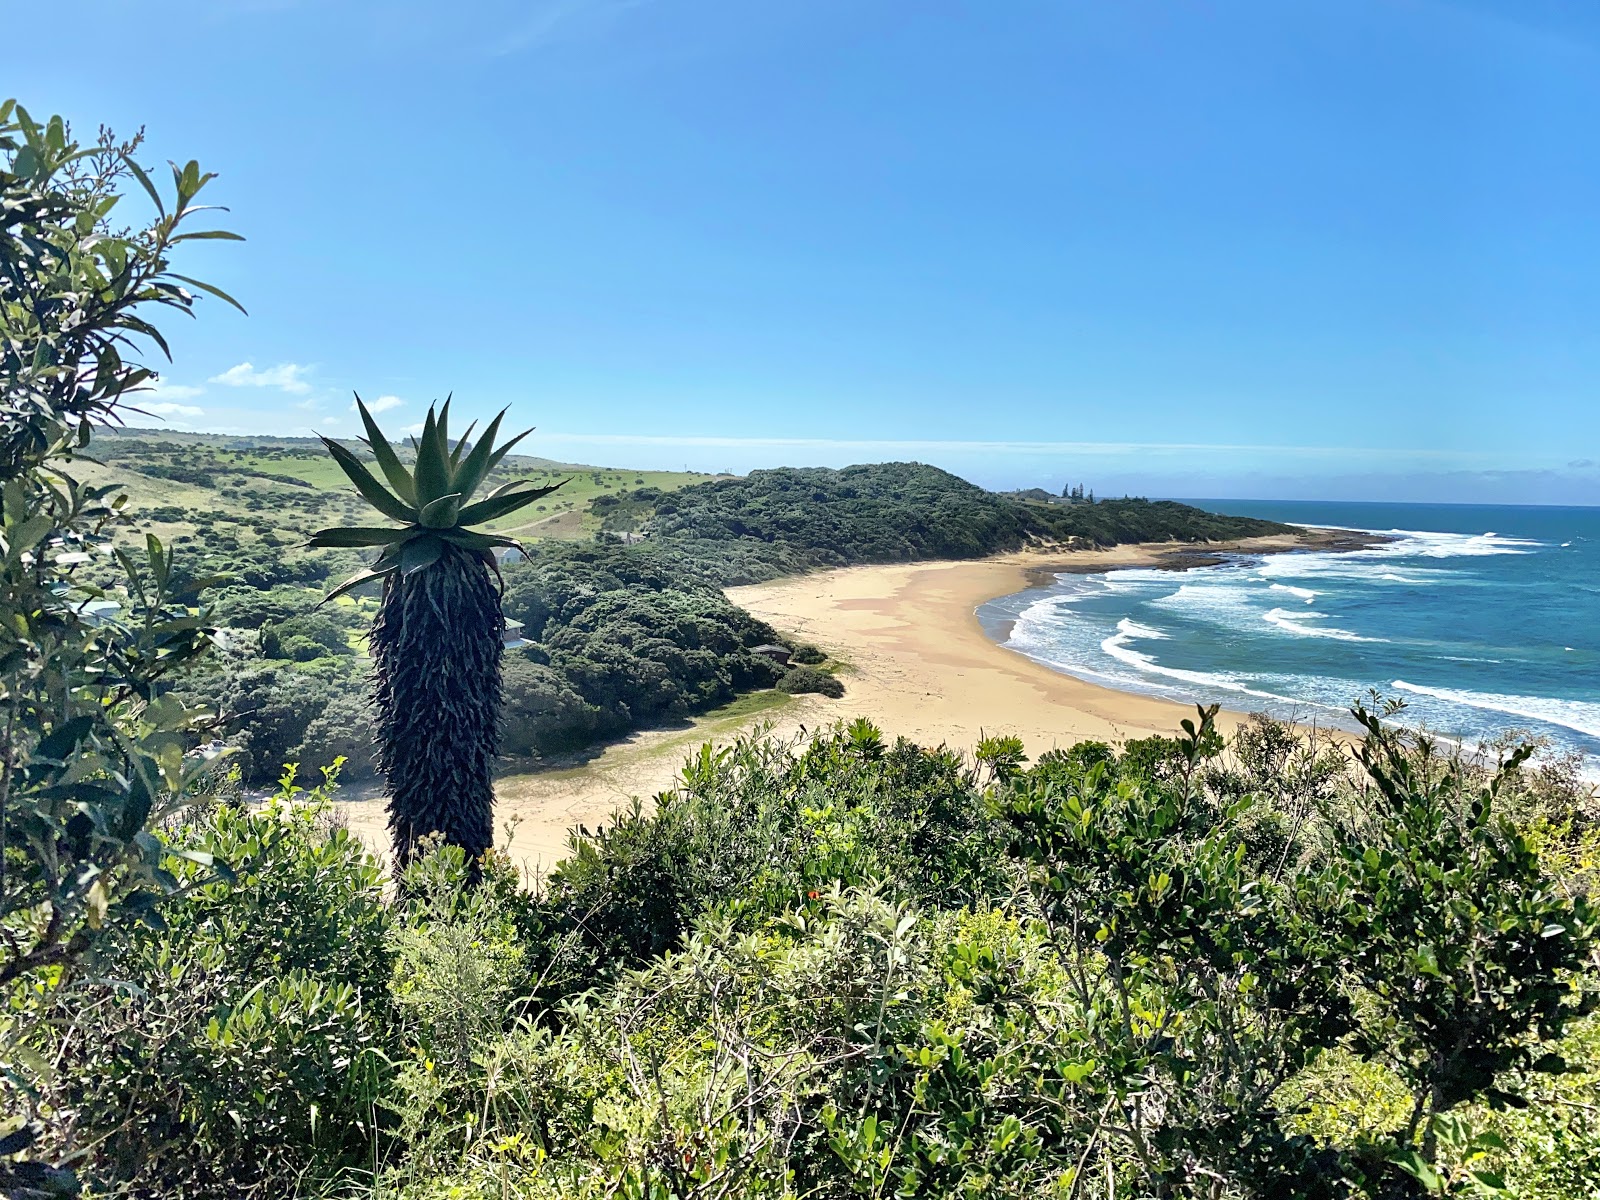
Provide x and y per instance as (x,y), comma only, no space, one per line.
(388,461)
(376,494)
(352,536)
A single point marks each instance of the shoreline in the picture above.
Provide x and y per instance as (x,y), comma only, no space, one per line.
(916,661)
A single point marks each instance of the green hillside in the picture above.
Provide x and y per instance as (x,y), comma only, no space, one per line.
(290,486)
(791,519)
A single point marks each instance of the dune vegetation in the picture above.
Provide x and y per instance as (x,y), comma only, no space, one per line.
(1259,966)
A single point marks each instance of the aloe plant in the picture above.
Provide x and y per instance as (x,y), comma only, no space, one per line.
(438,636)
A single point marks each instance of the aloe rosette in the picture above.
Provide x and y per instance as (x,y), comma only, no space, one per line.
(438,637)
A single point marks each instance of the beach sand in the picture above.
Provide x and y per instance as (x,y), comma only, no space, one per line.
(916,662)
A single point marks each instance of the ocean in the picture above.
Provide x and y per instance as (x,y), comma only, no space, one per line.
(1483,619)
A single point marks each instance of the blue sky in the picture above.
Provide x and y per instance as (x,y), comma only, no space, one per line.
(1328,248)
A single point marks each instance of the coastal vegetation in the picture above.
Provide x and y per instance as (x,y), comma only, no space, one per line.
(835,966)
(626,619)
(845,966)
(781,522)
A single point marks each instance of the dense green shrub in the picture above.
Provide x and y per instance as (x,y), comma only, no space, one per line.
(541,713)
(808,655)
(618,642)
(245,1038)
(777,522)
(323,635)
(799,680)
(840,967)
(762,827)
(343,730)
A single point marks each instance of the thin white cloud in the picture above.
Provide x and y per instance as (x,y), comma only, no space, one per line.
(381,404)
(288,377)
(165,409)
(413,430)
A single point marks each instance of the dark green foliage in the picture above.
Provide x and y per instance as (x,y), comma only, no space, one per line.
(192,475)
(877,513)
(265,712)
(808,655)
(1421,933)
(764,828)
(259,566)
(1156,911)
(91,753)
(540,711)
(838,967)
(323,635)
(778,522)
(620,641)
(1440,911)
(799,680)
(254,1043)
(436,647)
(345,730)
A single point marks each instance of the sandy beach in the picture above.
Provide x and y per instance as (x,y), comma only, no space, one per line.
(916,662)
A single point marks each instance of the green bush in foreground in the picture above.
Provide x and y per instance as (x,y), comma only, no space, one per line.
(841,967)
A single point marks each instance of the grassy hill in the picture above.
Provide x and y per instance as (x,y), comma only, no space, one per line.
(290,486)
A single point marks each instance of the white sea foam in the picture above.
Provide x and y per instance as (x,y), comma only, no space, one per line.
(1420,543)
(1305,594)
(1359,565)
(1131,628)
(1578,715)
(1117,647)
(1231,605)
(1300,623)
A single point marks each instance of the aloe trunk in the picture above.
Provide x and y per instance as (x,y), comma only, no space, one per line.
(436,646)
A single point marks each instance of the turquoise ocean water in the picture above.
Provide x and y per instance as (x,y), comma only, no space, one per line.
(1482,619)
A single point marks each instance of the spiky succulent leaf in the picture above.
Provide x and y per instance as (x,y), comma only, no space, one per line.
(505,489)
(494,459)
(375,493)
(351,536)
(443,513)
(365,575)
(498,506)
(419,554)
(471,539)
(470,475)
(388,461)
(433,462)
(461,445)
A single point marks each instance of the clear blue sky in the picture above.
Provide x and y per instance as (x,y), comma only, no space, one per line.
(1324,248)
